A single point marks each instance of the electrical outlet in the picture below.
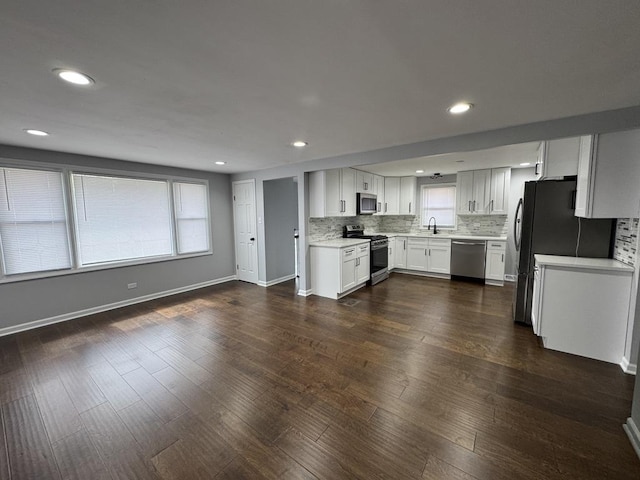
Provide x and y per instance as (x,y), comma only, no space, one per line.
(132,285)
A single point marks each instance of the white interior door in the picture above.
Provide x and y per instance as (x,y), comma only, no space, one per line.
(244,219)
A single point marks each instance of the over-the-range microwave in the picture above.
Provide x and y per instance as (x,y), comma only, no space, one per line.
(367,204)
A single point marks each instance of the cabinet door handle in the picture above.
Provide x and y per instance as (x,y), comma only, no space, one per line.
(470,206)
(425,251)
(491,206)
(409,207)
(404,244)
(357,262)
(366,186)
(385,207)
(429,252)
(379,206)
(503,258)
(474,205)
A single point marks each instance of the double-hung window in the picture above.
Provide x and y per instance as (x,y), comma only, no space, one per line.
(116,219)
(439,202)
(119,218)
(33,221)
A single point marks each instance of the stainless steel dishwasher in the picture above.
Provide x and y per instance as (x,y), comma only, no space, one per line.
(467,258)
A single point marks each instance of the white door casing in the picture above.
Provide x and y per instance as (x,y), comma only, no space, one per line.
(244,220)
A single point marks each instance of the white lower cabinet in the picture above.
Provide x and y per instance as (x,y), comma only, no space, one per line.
(337,271)
(431,255)
(392,251)
(401,252)
(439,256)
(494,263)
(417,254)
(580,305)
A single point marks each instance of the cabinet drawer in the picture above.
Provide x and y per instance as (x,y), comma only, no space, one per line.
(417,241)
(363,249)
(348,253)
(496,245)
(439,242)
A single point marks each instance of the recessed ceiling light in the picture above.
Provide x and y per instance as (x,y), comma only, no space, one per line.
(221,163)
(461,107)
(419,171)
(525,164)
(71,76)
(37,133)
(299,144)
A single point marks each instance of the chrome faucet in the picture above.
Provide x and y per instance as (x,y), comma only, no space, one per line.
(435,230)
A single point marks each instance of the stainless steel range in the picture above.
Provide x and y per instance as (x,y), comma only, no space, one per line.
(379,258)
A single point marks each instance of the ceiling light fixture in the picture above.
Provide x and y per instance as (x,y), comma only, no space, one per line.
(221,163)
(525,164)
(435,176)
(419,171)
(299,144)
(458,108)
(37,133)
(71,76)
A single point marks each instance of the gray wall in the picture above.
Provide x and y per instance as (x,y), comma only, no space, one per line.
(280,218)
(518,177)
(32,300)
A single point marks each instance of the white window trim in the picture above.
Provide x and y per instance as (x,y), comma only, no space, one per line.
(435,185)
(66,170)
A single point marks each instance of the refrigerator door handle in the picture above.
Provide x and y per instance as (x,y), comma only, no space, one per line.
(517,239)
(573,199)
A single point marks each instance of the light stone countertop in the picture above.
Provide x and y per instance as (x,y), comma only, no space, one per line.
(454,236)
(339,242)
(583,263)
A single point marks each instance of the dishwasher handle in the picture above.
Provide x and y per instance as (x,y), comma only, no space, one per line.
(468,243)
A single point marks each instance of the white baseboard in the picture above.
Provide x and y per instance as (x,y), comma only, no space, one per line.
(286,278)
(628,367)
(111,306)
(509,278)
(305,293)
(633,433)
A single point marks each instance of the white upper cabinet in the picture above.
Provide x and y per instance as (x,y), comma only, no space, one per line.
(400,195)
(378,182)
(392,195)
(473,192)
(558,158)
(609,176)
(364,182)
(408,195)
(332,193)
(500,187)
(464,192)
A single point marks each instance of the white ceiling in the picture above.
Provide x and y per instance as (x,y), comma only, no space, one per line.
(508,156)
(191,82)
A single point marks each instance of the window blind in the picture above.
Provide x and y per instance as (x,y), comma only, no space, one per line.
(33,224)
(439,201)
(119,218)
(192,217)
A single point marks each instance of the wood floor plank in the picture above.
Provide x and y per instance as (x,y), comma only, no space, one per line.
(184,365)
(161,401)
(4,459)
(118,392)
(58,411)
(82,390)
(29,450)
(78,459)
(148,429)
(107,431)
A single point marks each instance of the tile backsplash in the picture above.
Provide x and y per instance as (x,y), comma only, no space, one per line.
(328,228)
(625,246)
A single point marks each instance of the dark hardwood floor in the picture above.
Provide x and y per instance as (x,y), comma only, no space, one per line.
(413,378)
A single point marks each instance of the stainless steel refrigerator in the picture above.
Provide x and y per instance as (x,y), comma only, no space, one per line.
(544,223)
